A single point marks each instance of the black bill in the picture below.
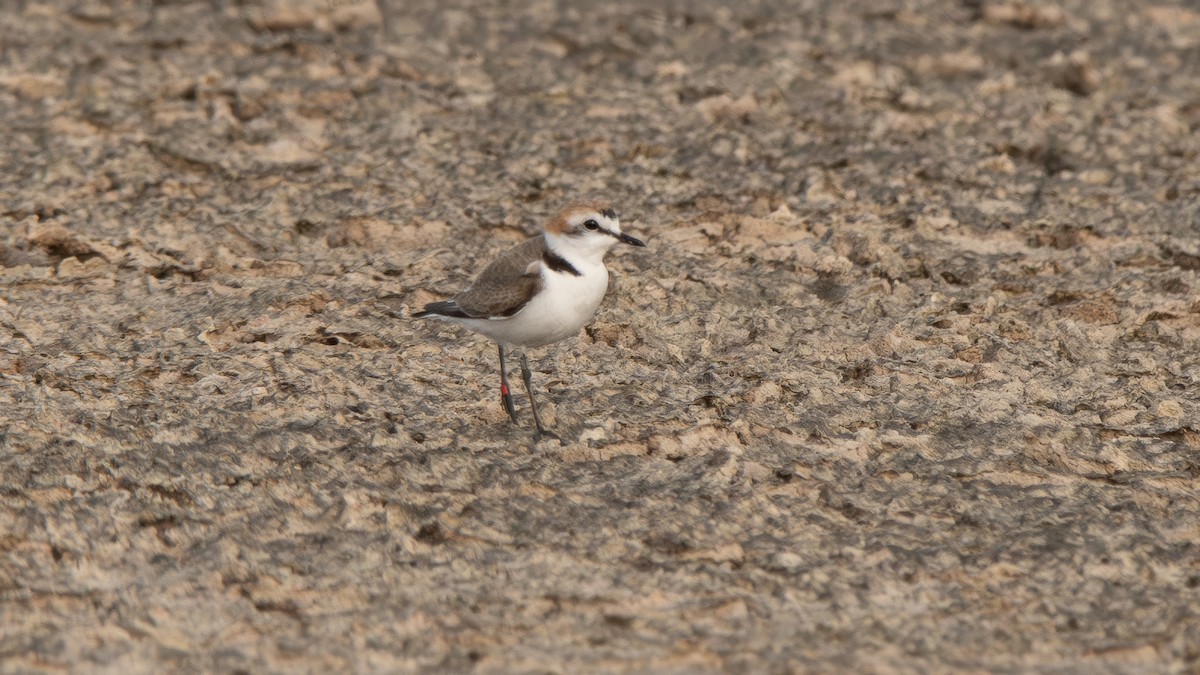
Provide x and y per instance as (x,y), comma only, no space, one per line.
(628,239)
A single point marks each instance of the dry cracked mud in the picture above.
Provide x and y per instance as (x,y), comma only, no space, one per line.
(905,381)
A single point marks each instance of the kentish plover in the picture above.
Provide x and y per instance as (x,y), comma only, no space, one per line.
(541,291)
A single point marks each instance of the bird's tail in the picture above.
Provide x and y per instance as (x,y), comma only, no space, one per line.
(443,308)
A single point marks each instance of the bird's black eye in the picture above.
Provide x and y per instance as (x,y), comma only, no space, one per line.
(591,224)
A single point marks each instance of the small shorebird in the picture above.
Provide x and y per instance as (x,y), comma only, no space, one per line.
(540,291)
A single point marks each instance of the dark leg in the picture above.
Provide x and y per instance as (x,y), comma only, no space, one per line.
(527,376)
(505,396)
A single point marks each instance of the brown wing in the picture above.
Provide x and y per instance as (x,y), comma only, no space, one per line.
(504,286)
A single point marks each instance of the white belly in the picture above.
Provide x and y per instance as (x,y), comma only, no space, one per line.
(565,304)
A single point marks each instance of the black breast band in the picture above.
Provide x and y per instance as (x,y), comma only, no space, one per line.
(558,263)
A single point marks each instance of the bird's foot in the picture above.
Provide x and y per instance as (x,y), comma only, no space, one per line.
(540,433)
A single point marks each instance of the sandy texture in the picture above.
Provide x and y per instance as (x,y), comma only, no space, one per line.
(905,381)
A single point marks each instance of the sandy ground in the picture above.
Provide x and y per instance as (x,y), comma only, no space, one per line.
(905,381)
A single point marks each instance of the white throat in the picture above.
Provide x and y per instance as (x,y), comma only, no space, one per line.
(585,251)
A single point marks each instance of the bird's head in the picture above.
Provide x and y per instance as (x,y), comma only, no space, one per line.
(589,229)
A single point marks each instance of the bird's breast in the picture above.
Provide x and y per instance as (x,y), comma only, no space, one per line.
(575,298)
(566,302)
